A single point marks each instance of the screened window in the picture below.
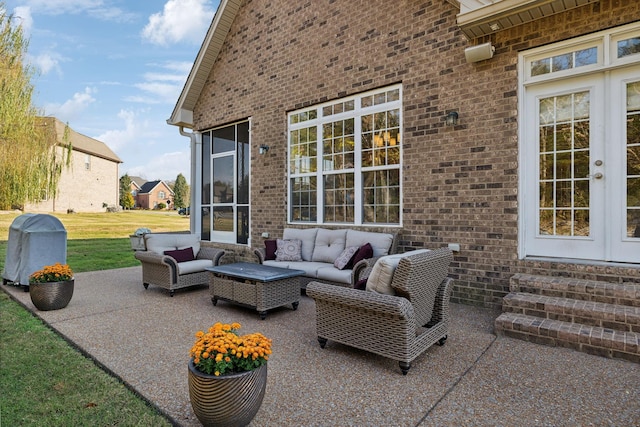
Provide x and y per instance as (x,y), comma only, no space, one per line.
(225,184)
(345,160)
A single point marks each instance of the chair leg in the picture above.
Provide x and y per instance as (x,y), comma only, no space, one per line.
(442,340)
(404,366)
(172,292)
(146,285)
(322,341)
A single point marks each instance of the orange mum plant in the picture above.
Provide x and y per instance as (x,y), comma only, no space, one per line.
(52,273)
(221,350)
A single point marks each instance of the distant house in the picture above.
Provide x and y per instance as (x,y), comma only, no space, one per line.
(149,194)
(90,183)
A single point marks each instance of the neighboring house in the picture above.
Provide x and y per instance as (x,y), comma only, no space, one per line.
(334,113)
(148,194)
(91,181)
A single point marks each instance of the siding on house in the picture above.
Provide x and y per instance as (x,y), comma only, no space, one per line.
(460,184)
(90,182)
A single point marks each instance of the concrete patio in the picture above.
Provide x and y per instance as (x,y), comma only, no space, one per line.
(476,379)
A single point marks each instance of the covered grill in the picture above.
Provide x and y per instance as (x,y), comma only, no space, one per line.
(35,240)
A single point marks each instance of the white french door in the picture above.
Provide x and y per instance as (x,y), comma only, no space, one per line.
(582,167)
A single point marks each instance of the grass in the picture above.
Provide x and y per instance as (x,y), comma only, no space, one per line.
(44,380)
(100,241)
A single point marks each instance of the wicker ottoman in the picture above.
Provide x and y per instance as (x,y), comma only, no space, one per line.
(255,285)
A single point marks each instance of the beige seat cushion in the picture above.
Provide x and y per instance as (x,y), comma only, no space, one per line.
(381,274)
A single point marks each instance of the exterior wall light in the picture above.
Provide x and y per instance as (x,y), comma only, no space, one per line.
(263,149)
(451,118)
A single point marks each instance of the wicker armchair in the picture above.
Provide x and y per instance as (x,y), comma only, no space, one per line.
(165,271)
(400,326)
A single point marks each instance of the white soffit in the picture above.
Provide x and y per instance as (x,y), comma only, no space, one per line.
(481,17)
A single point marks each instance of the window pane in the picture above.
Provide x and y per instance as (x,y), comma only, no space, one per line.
(224,140)
(345,155)
(206,168)
(628,47)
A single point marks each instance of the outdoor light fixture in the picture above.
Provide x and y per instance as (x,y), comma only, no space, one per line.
(451,118)
(263,149)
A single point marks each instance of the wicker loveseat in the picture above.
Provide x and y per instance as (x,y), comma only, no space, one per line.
(400,326)
(320,247)
(175,261)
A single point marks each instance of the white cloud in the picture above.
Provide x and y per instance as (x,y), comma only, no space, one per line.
(45,62)
(94,8)
(162,87)
(132,132)
(165,166)
(22,16)
(180,20)
(71,108)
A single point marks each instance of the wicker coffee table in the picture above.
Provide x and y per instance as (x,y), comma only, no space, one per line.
(255,285)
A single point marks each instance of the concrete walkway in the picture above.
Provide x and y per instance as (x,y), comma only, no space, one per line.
(475,379)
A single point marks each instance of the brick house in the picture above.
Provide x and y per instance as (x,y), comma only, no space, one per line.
(90,182)
(509,128)
(148,194)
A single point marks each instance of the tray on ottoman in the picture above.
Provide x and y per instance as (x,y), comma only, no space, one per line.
(255,285)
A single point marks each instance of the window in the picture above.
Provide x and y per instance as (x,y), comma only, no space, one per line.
(87,162)
(161,195)
(225,184)
(344,160)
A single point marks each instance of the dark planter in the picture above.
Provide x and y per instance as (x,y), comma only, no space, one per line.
(230,400)
(51,295)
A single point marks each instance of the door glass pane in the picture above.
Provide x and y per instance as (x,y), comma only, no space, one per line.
(633,160)
(563,205)
(223,218)
(223,179)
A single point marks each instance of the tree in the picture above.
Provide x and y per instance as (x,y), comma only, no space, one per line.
(180,192)
(126,199)
(30,163)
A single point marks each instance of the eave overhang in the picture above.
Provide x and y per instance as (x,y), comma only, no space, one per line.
(479,18)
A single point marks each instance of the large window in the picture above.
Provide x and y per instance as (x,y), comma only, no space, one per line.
(225,184)
(344,160)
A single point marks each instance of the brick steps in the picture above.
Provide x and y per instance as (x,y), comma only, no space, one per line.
(593,317)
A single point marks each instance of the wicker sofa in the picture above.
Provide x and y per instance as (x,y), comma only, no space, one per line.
(320,247)
(174,261)
(400,326)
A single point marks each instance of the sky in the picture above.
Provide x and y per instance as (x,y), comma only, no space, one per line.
(113,70)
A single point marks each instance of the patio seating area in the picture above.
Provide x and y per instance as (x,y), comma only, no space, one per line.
(474,379)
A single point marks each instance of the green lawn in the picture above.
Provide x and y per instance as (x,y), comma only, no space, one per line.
(43,380)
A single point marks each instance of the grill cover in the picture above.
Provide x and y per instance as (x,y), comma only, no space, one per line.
(35,240)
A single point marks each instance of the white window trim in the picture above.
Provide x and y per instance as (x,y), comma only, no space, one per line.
(356,113)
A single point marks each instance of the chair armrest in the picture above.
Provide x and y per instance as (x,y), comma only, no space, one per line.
(154,258)
(441,306)
(362,269)
(373,301)
(214,254)
(261,254)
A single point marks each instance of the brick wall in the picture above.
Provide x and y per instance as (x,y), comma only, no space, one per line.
(459,184)
(81,189)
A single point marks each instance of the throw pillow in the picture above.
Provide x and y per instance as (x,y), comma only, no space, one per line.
(343,259)
(361,284)
(181,255)
(381,277)
(289,250)
(365,251)
(270,247)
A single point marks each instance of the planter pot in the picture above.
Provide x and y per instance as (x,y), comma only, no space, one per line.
(227,400)
(52,295)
